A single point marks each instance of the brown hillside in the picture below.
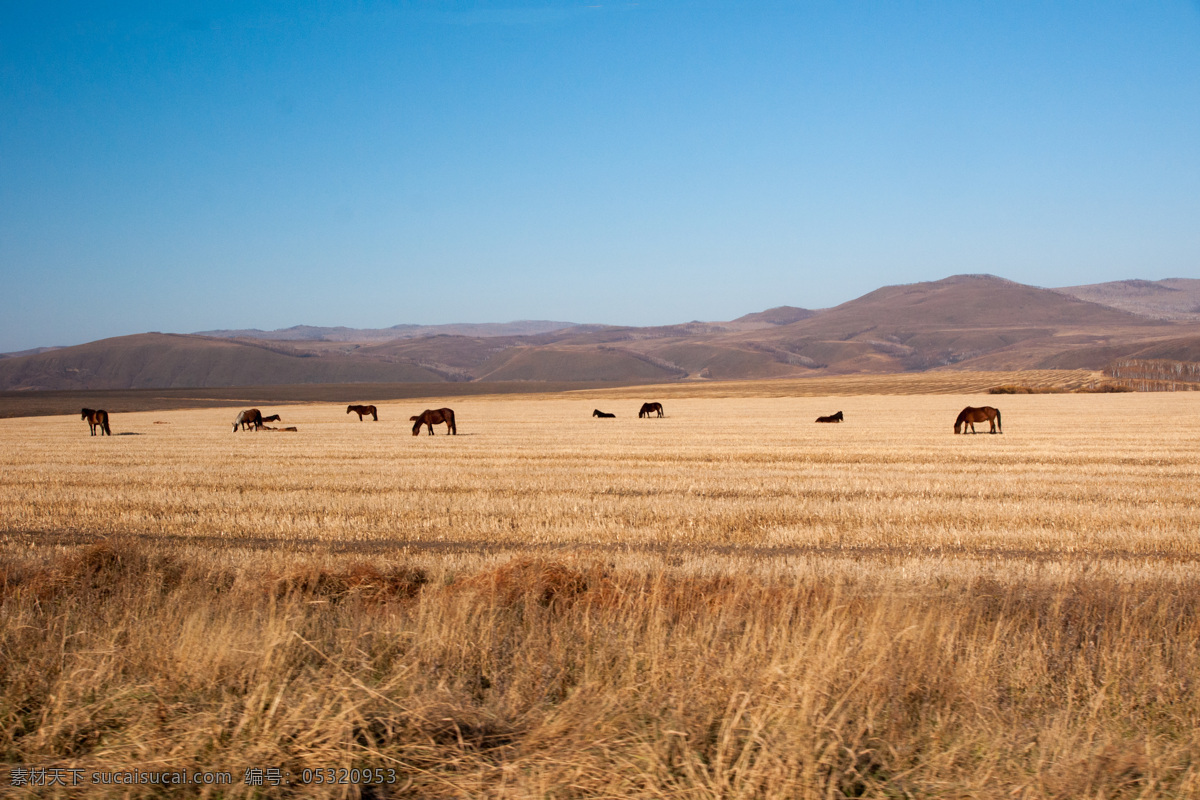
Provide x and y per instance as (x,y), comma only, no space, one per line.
(156,360)
(574,364)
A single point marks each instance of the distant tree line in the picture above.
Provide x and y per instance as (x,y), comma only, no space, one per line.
(1155,375)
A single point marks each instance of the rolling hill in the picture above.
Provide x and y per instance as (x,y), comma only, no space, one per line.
(1173,298)
(977,322)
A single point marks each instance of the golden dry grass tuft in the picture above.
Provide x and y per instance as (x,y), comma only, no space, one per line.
(728,602)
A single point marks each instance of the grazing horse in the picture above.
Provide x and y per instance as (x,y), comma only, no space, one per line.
(650,408)
(971,415)
(831,418)
(97,418)
(272,418)
(433,417)
(361,410)
(251,416)
(599,413)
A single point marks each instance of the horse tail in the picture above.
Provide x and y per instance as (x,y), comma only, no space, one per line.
(104,423)
(374,413)
(999,429)
(450,419)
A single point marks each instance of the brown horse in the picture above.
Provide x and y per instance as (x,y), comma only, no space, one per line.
(649,408)
(97,418)
(599,413)
(831,418)
(249,417)
(971,415)
(272,418)
(362,410)
(433,417)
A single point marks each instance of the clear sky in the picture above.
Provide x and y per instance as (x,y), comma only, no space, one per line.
(243,164)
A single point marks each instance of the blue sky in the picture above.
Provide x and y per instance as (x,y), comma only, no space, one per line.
(175,168)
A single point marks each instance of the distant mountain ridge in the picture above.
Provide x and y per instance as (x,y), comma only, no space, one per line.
(313,333)
(1173,298)
(960,322)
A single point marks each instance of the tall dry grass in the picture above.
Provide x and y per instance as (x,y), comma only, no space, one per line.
(574,677)
(728,602)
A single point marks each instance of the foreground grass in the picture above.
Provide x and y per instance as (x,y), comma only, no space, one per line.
(728,602)
(579,677)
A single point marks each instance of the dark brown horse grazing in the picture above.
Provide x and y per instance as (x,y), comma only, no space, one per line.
(249,417)
(433,417)
(599,413)
(831,418)
(650,408)
(361,410)
(97,418)
(970,415)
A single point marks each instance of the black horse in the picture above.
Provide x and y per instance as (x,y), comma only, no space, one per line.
(599,413)
(831,418)
(650,408)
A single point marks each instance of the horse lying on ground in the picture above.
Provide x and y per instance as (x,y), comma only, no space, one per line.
(971,415)
(249,417)
(272,418)
(831,418)
(433,417)
(649,408)
(97,418)
(363,410)
(599,413)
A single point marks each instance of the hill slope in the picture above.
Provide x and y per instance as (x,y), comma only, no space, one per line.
(157,360)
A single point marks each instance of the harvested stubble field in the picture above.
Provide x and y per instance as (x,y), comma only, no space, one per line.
(731,601)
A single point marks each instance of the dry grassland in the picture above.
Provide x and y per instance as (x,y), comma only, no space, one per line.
(731,601)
